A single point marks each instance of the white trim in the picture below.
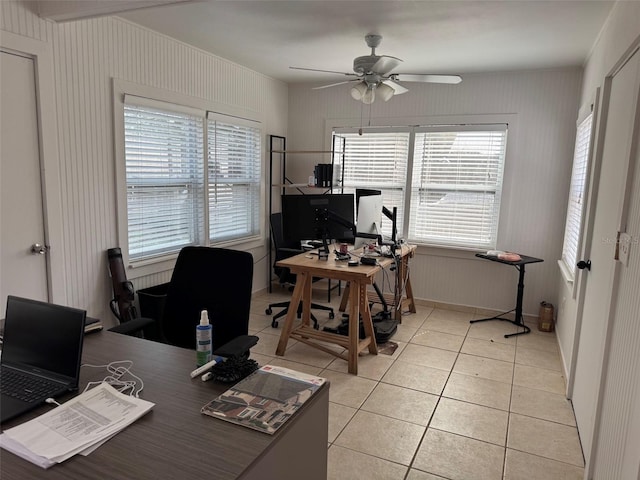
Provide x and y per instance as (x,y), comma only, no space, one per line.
(42,54)
(566,274)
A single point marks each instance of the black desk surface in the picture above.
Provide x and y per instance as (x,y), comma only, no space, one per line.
(174,440)
(524,259)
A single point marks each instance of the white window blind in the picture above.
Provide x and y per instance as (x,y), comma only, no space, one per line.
(456,185)
(164,152)
(378,160)
(234,167)
(575,209)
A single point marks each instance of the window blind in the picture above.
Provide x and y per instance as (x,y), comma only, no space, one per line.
(165,180)
(577,190)
(378,160)
(234,154)
(456,185)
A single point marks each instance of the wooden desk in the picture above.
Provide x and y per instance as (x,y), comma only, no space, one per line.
(174,440)
(306,267)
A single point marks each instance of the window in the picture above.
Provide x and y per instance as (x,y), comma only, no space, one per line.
(378,161)
(577,192)
(446,181)
(180,193)
(234,179)
(456,186)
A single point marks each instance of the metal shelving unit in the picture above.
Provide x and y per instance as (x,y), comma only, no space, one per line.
(278,153)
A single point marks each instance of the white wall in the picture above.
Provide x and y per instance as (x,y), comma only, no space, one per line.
(87,55)
(537,173)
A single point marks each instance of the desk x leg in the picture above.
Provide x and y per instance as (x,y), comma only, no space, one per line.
(519,321)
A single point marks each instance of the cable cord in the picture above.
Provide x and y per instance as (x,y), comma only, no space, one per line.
(117,370)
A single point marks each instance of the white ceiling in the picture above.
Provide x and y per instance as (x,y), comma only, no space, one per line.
(430,36)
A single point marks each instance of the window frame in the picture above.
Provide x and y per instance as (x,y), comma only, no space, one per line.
(166,262)
(510,119)
(570,272)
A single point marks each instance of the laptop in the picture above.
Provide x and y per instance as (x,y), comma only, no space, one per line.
(41,354)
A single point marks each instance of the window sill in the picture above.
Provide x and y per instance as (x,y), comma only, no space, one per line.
(566,274)
(449,252)
(166,263)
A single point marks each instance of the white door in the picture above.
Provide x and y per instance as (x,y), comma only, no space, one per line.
(599,288)
(22,272)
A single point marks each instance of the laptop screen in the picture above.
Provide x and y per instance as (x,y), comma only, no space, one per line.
(40,336)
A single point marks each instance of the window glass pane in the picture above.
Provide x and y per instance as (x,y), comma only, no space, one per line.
(165,180)
(456,187)
(575,207)
(378,161)
(234,180)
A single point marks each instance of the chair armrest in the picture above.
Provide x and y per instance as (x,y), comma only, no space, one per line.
(237,347)
(132,326)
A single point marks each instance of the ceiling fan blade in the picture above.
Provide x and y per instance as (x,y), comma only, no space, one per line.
(385,64)
(407,77)
(324,71)
(398,89)
(336,84)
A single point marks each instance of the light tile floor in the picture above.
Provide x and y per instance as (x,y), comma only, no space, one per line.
(455,401)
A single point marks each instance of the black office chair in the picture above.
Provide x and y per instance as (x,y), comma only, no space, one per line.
(214,279)
(285,249)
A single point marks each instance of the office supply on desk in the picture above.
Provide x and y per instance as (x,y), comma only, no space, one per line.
(519,263)
(266,399)
(285,249)
(92,325)
(174,440)
(78,426)
(41,353)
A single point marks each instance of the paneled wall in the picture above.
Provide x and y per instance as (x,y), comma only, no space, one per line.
(536,182)
(87,55)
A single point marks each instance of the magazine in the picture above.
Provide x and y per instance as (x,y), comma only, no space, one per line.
(266,399)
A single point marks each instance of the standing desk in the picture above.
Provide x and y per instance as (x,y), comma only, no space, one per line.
(306,267)
(519,264)
(174,440)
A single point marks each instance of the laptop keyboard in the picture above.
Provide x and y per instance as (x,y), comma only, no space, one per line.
(28,389)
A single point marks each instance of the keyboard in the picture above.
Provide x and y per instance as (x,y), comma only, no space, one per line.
(26,388)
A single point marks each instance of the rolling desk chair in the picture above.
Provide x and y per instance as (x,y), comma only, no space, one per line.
(284,250)
(219,281)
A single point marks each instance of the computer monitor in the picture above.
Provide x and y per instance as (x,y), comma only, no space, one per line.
(369,219)
(314,217)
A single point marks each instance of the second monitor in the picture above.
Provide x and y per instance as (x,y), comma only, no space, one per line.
(314,217)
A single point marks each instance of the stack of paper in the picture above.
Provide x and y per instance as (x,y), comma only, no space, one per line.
(79,426)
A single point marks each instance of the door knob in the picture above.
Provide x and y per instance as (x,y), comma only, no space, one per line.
(582,265)
(38,249)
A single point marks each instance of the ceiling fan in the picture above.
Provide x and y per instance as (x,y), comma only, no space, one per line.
(372,75)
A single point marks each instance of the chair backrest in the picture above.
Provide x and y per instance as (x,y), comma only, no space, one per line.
(218,280)
(277,236)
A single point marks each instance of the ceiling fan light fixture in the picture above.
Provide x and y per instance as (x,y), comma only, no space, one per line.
(358,90)
(369,96)
(385,92)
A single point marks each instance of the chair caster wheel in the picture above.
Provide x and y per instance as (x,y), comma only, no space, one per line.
(268,311)
(331,316)
(274,324)
(316,326)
